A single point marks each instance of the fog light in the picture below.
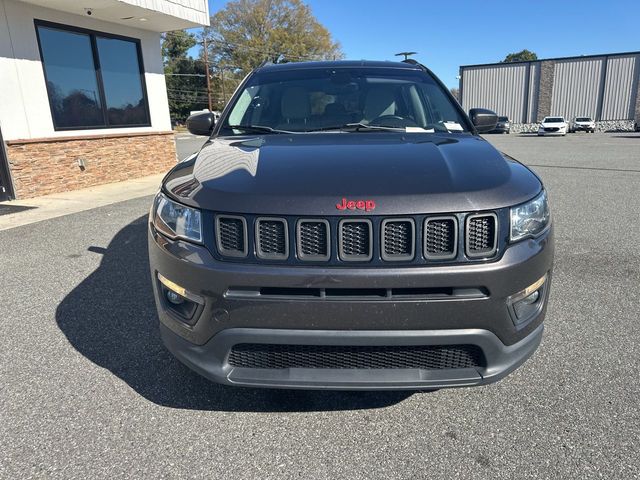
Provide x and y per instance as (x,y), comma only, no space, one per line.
(174,298)
(177,294)
(531,298)
(179,301)
(525,304)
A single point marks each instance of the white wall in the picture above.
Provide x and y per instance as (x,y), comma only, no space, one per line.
(196,11)
(24,104)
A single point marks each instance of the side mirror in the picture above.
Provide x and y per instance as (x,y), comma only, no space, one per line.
(201,123)
(484,120)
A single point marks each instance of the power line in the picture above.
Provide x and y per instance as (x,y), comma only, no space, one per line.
(185,75)
(261,50)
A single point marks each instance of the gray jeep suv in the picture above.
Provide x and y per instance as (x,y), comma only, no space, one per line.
(345,227)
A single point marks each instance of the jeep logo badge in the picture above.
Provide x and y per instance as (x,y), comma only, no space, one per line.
(366,205)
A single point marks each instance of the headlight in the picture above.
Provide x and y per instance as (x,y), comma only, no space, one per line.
(177,221)
(531,218)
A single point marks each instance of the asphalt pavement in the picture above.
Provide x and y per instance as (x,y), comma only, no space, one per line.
(88,391)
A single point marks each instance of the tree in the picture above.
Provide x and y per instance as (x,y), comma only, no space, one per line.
(184,75)
(521,56)
(176,44)
(247,32)
(456,93)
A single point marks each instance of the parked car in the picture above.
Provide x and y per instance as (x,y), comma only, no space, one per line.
(553,126)
(584,124)
(503,125)
(346,227)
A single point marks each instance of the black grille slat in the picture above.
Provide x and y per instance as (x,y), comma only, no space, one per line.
(232,236)
(313,240)
(271,238)
(440,238)
(481,235)
(355,242)
(398,239)
(427,357)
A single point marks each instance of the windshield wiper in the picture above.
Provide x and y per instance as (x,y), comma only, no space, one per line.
(257,128)
(356,127)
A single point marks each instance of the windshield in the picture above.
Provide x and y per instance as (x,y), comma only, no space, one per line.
(503,119)
(583,119)
(319,99)
(553,120)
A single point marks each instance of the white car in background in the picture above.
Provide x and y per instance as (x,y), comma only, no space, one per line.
(553,126)
(586,124)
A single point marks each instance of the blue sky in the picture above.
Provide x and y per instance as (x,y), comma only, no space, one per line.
(461,32)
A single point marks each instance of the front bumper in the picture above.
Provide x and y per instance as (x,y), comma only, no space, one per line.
(211,359)
(559,131)
(226,319)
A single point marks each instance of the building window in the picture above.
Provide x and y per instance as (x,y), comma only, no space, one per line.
(94,80)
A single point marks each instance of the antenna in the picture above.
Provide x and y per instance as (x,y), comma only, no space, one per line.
(406,54)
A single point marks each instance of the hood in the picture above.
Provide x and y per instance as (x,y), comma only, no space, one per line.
(309,174)
(552,124)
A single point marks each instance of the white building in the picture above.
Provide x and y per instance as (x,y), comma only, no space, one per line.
(82,92)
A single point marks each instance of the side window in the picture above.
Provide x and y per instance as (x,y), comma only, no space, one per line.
(239,112)
(71,79)
(94,80)
(123,92)
(441,109)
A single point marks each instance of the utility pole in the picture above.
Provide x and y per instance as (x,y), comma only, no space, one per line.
(224,95)
(206,67)
(406,54)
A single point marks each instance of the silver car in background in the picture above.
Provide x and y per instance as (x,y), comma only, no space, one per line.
(584,124)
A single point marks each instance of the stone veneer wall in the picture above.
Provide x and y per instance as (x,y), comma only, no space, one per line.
(602,126)
(51,165)
(637,109)
(547,76)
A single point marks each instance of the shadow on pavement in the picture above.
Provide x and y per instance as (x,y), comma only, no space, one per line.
(110,318)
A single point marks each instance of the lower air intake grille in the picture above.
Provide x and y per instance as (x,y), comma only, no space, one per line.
(272,242)
(397,239)
(231,236)
(313,239)
(355,240)
(427,357)
(440,238)
(481,235)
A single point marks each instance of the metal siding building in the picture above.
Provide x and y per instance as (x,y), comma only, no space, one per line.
(604,87)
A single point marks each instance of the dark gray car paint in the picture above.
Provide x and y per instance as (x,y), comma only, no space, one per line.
(307,174)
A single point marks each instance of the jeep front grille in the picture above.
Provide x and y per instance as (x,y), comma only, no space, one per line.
(398,239)
(272,238)
(231,235)
(481,235)
(440,237)
(355,240)
(313,240)
(425,357)
(371,241)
